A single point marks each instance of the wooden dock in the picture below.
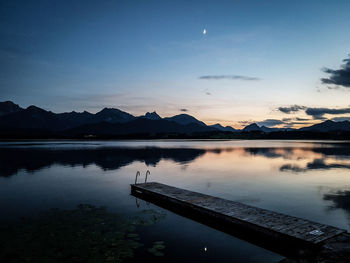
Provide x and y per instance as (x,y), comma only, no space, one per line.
(279,230)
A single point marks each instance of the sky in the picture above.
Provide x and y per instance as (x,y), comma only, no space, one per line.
(277,63)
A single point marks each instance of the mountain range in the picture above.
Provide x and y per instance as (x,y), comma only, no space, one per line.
(110,121)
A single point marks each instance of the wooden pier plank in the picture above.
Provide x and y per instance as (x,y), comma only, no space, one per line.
(294,227)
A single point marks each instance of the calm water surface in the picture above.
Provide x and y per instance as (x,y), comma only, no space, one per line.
(307,179)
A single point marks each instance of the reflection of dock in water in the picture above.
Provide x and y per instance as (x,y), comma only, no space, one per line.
(287,235)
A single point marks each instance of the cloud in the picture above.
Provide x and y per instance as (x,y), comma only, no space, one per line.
(285,122)
(338,77)
(245,122)
(290,109)
(302,119)
(270,122)
(184,110)
(341,119)
(231,77)
(295,119)
(291,124)
(317,113)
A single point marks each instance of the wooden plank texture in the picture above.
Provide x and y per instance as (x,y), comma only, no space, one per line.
(280,224)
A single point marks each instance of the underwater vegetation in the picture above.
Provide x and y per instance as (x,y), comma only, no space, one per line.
(84,234)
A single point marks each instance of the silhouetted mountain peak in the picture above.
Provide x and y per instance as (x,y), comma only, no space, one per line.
(185,119)
(112,122)
(152,116)
(8,103)
(7,107)
(113,115)
(222,128)
(111,110)
(252,127)
(268,129)
(217,126)
(328,126)
(84,114)
(33,108)
(108,110)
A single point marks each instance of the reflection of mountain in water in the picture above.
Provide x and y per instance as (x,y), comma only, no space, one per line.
(32,159)
(317,164)
(319,160)
(13,159)
(340,199)
(342,152)
(270,152)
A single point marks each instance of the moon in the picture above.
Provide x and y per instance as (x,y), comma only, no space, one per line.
(204,31)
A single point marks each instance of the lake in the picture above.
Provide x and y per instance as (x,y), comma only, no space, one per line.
(307,179)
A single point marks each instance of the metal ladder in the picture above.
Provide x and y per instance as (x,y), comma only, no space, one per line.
(138,174)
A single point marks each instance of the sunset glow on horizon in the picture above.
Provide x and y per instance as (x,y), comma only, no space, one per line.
(275,63)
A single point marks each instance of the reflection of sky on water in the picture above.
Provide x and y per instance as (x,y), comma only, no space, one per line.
(304,179)
(302,156)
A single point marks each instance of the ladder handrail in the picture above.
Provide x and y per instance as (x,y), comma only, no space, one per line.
(137,175)
(147,173)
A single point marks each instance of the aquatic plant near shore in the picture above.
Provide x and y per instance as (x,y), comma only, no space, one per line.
(84,234)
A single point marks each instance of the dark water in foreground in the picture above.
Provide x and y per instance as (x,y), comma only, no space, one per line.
(304,179)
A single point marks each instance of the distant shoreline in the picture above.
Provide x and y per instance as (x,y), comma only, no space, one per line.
(253,135)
